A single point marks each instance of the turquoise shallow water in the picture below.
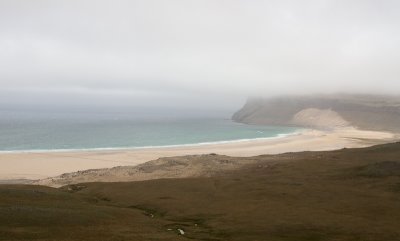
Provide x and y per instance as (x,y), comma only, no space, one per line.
(64,133)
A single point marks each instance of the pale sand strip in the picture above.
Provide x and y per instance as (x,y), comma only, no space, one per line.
(41,165)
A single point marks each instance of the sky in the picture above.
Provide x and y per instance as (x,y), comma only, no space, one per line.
(185,55)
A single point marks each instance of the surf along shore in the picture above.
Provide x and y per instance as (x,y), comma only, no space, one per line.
(38,165)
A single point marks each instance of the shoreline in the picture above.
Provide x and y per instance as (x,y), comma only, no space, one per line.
(133,148)
(38,165)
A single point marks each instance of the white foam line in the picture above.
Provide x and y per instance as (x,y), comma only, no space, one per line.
(279,136)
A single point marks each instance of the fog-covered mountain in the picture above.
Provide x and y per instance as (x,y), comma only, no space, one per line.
(373,112)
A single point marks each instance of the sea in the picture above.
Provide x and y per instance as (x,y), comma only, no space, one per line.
(27,132)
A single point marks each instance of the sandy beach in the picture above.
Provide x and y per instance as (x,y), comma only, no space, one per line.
(46,164)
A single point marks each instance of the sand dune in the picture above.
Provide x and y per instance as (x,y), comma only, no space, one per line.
(319,118)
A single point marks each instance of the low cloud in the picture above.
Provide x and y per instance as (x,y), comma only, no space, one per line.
(207,54)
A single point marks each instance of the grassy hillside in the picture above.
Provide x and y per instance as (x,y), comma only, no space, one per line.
(362,111)
(349,194)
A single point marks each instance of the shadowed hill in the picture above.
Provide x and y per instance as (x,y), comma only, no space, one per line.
(361,111)
(348,194)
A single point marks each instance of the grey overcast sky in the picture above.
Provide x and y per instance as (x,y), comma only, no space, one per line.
(201,54)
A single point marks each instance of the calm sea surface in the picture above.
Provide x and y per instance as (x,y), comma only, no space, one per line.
(25,132)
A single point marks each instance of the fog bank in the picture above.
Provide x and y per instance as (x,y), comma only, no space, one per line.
(192,55)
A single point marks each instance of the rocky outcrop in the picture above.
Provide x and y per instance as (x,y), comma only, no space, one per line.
(370,112)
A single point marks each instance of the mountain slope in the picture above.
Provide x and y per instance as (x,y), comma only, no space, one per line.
(324,111)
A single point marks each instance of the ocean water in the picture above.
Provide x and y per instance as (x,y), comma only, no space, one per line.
(24,132)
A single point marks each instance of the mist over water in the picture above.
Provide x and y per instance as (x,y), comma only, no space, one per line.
(192,55)
(21,131)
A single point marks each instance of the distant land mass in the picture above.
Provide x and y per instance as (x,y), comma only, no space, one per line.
(368,112)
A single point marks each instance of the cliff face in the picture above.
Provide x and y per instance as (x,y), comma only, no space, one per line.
(331,111)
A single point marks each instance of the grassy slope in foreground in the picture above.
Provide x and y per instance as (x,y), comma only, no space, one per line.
(350,194)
